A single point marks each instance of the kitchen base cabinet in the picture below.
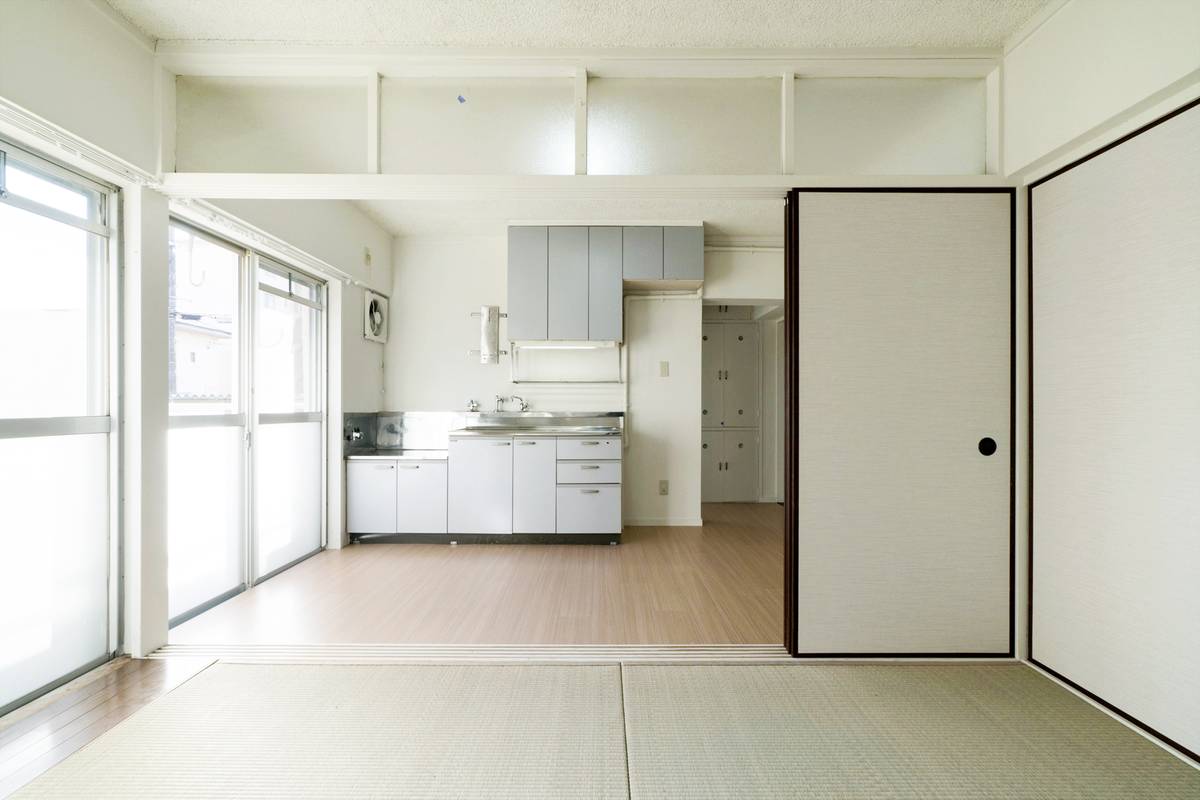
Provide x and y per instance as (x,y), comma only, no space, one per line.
(421,497)
(371,496)
(534,463)
(481,485)
(589,509)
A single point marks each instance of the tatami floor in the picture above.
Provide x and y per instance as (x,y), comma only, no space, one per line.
(717,584)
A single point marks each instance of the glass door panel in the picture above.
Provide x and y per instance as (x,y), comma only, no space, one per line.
(207,441)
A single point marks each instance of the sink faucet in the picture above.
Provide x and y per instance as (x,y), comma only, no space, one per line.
(524,405)
(500,403)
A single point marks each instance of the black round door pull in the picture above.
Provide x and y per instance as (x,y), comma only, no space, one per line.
(987,445)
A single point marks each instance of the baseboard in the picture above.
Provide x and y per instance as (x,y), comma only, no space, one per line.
(669,522)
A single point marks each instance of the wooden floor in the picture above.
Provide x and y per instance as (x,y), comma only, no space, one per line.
(719,584)
(37,736)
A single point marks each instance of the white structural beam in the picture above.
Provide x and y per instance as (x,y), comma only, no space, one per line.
(253,59)
(787,124)
(290,186)
(373,125)
(581,118)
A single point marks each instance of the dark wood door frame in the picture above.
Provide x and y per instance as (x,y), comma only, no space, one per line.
(791,306)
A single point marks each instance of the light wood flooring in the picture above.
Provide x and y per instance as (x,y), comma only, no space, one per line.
(42,733)
(719,584)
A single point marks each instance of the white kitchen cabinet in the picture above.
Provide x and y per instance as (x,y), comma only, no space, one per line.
(534,480)
(589,509)
(420,496)
(589,472)
(729,467)
(598,448)
(481,488)
(371,496)
(729,386)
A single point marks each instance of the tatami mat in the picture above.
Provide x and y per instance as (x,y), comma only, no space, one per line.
(826,731)
(924,731)
(295,731)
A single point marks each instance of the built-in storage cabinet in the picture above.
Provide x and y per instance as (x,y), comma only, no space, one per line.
(604,284)
(729,466)
(528,282)
(565,282)
(481,485)
(642,253)
(589,509)
(371,497)
(589,485)
(534,482)
(421,496)
(729,385)
(568,283)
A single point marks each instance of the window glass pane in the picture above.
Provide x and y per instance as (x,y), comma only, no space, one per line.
(287,499)
(202,326)
(78,202)
(54,572)
(286,375)
(276,280)
(283,279)
(52,319)
(204,515)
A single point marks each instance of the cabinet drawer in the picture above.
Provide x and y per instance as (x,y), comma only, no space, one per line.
(421,497)
(589,472)
(601,448)
(589,509)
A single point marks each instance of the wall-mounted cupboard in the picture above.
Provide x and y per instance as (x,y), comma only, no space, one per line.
(565,283)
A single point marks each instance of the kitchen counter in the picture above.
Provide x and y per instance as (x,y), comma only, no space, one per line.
(548,430)
(396,454)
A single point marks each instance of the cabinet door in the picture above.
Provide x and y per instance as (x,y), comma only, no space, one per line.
(527,282)
(589,509)
(534,485)
(421,497)
(683,253)
(604,284)
(642,253)
(480,486)
(741,466)
(712,473)
(741,384)
(567,250)
(712,370)
(371,496)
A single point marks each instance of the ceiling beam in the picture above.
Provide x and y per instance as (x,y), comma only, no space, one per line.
(221,59)
(283,186)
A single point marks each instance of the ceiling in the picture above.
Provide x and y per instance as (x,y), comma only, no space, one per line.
(587,24)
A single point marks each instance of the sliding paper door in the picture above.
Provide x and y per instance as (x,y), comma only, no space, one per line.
(55,453)
(289,472)
(1115,262)
(903,508)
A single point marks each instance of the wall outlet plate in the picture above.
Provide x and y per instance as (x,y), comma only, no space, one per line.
(664,487)
(664,369)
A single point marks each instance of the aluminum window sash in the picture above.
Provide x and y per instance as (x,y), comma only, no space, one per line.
(289,296)
(35,427)
(207,421)
(34,207)
(297,416)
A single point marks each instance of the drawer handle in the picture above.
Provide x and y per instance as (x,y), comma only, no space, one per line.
(501,444)
(410,466)
(525,443)
(589,491)
(590,466)
(589,444)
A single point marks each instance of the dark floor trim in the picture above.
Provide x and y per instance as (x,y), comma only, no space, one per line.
(179,619)
(486,538)
(1100,701)
(791,460)
(286,566)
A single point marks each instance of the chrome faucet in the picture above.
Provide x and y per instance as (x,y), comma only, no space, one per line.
(500,403)
(524,405)
(472,405)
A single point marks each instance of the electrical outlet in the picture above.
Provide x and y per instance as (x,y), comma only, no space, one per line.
(664,487)
(664,369)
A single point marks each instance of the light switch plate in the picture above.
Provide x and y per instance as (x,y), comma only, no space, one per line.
(664,487)
(664,369)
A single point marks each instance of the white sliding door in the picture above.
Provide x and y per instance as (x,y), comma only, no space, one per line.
(289,394)
(904,422)
(1116,419)
(56,547)
(206,444)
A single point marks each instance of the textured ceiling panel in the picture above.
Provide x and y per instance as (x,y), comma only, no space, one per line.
(587,24)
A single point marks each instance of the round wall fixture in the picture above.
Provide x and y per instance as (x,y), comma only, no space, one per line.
(375,317)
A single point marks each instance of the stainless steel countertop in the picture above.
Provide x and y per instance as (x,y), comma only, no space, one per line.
(397,454)
(498,432)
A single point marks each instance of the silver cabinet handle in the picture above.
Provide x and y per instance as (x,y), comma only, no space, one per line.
(501,444)
(524,443)
(590,466)
(589,491)
(410,466)
(589,444)
(386,466)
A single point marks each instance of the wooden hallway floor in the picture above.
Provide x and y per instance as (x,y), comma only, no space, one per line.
(717,584)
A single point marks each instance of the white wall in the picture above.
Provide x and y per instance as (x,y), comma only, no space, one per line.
(438,282)
(743,276)
(663,441)
(1089,62)
(75,65)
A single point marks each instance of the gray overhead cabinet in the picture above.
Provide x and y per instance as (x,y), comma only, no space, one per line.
(565,282)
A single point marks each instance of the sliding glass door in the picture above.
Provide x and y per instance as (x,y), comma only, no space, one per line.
(206,444)
(56,551)
(289,392)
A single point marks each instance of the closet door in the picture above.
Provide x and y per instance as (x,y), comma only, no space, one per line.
(712,488)
(741,466)
(712,365)
(741,383)
(904,365)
